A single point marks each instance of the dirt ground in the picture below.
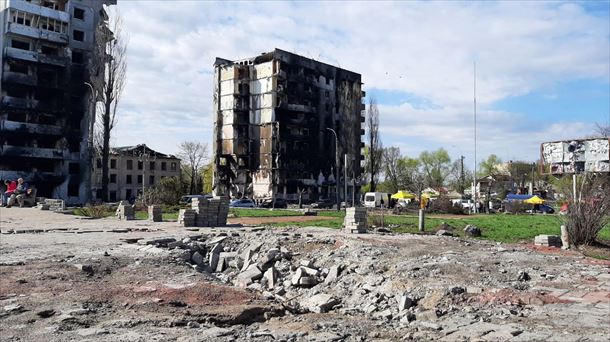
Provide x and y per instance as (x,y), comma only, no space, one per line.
(64,278)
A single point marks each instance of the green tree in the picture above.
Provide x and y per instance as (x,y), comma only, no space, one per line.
(436,166)
(489,166)
(207,173)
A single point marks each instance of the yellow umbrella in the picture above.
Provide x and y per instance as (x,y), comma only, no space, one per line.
(534,200)
(403,195)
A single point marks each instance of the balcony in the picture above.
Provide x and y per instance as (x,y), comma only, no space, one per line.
(33,56)
(19,78)
(17,102)
(36,33)
(40,10)
(34,152)
(26,55)
(54,60)
(14,126)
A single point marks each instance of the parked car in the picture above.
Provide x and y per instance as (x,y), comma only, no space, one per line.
(279,203)
(323,203)
(242,203)
(189,198)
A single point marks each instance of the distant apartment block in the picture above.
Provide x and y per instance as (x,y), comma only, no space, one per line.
(271,118)
(133,168)
(46,48)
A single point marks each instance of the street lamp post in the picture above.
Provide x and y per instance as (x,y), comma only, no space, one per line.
(90,147)
(337,165)
(145,158)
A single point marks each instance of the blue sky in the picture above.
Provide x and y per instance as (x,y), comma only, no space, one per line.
(543,68)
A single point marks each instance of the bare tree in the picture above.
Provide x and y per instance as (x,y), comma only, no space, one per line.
(194,154)
(375,152)
(590,213)
(109,74)
(391,159)
(602,131)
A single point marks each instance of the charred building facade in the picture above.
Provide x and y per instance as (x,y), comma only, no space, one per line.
(274,117)
(46,104)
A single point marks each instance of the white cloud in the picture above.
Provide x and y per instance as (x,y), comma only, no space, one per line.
(425,49)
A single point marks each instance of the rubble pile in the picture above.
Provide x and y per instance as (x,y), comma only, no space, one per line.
(346,279)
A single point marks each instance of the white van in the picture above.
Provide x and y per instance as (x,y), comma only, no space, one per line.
(373,199)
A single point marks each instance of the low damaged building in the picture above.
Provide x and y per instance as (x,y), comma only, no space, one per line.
(46,50)
(133,169)
(275,118)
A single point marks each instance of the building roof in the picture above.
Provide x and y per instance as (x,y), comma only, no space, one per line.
(138,150)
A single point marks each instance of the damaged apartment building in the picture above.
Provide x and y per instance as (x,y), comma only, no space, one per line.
(272,127)
(46,102)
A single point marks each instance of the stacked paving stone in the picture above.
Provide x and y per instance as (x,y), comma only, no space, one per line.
(547,240)
(201,207)
(187,217)
(51,204)
(214,207)
(206,212)
(125,211)
(355,220)
(223,210)
(155,213)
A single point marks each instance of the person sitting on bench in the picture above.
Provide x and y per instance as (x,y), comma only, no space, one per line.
(22,189)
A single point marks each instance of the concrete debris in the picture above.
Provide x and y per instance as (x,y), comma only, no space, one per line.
(320,303)
(13,308)
(406,302)
(548,241)
(355,220)
(472,230)
(443,232)
(523,276)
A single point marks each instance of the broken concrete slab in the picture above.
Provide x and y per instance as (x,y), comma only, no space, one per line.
(320,303)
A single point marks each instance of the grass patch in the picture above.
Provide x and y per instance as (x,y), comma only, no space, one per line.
(243,212)
(334,223)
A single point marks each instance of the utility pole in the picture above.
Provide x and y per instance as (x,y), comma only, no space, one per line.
(462,178)
(474,182)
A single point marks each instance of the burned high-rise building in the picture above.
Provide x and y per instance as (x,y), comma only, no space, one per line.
(274,117)
(46,103)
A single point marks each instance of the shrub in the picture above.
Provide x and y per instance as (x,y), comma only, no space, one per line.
(515,207)
(591,211)
(95,211)
(444,205)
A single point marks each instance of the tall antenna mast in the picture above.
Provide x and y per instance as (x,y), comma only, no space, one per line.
(474,182)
